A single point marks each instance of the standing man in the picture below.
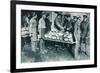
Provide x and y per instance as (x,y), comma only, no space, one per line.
(76,24)
(58,22)
(25,20)
(84,26)
(41,28)
(25,29)
(67,23)
(33,31)
(48,23)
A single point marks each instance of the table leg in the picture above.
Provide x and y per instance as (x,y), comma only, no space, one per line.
(76,49)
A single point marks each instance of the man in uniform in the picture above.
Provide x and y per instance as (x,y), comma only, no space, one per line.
(76,25)
(67,23)
(84,26)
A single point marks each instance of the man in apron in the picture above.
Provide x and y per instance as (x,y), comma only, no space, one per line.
(33,31)
(41,29)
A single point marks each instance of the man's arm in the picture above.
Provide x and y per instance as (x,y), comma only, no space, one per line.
(59,25)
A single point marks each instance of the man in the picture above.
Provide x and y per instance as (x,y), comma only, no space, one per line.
(25,29)
(33,31)
(25,20)
(77,22)
(76,26)
(48,23)
(58,22)
(41,28)
(67,23)
(84,27)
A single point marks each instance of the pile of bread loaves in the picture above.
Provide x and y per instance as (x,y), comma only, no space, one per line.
(65,36)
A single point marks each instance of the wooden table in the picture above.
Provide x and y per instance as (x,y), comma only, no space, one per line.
(74,49)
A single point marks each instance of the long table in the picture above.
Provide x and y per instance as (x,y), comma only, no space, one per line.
(74,45)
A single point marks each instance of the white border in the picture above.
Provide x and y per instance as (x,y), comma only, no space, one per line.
(20,65)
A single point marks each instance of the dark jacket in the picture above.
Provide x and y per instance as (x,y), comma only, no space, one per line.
(84,27)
